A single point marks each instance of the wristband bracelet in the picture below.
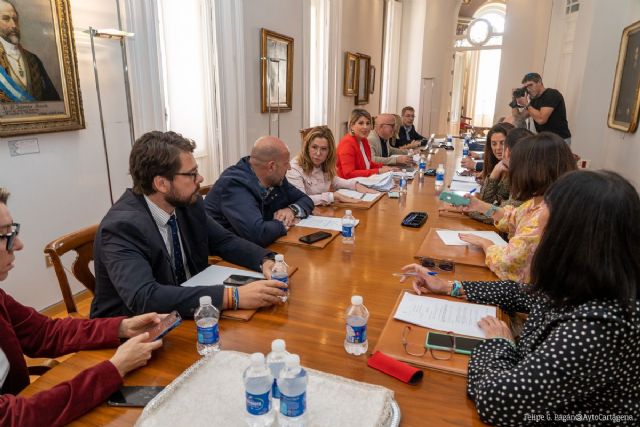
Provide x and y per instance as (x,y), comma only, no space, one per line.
(457,287)
(489,213)
(236,298)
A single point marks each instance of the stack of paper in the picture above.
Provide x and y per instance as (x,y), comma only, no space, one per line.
(323,222)
(463,183)
(382,182)
(450,237)
(365,197)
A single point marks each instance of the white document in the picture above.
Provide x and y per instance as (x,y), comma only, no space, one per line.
(464,186)
(450,237)
(449,316)
(216,274)
(373,179)
(323,222)
(463,178)
(366,197)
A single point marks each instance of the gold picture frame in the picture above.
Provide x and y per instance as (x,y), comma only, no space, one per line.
(350,74)
(363,75)
(625,98)
(39,85)
(276,76)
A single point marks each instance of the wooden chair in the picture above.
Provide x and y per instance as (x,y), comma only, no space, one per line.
(81,242)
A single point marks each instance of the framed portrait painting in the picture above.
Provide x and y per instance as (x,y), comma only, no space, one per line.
(362,94)
(276,56)
(625,99)
(39,87)
(350,85)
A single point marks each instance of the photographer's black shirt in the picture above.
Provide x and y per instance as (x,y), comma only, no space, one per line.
(557,122)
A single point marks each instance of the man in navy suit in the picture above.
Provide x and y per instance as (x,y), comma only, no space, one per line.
(158,235)
(408,133)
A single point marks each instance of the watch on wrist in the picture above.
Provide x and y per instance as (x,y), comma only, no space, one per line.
(492,209)
(295,209)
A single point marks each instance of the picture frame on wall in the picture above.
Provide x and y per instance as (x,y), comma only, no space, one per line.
(276,76)
(362,94)
(350,85)
(39,86)
(625,98)
(372,78)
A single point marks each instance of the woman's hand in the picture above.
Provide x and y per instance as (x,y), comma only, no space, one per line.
(261,293)
(339,197)
(424,282)
(468,163)
(134,353)
(475,240)
(494,328)
(136,325)
(475,204)
(499,170)
(386,169)
(364,189)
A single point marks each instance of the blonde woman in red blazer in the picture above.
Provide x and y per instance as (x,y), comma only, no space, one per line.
(354,153)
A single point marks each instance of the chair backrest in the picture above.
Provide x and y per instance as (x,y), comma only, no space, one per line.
(81,242)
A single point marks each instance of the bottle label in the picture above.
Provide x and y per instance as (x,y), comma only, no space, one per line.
(293,406)
(439,177)
(356,334)
(422,165)
(258,404)
(275,391)
(283,279)
(403,182)
(347,231)
(208,335)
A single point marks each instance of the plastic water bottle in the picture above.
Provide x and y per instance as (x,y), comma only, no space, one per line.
(465,146)
(280,271)
(293,393)
(422,165)
(449,140)
(356,342)
(275,362)
(440,178)
(257,385)
(206,317)
(403,182)
(348,228)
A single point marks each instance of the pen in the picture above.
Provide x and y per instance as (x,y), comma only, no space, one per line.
(430,273)
(472,191)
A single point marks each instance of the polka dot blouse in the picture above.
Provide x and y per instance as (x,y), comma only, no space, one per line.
(571,366)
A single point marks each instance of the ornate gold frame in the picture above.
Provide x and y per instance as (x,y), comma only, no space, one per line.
(350,85)
(265,35)
(362,92)
(73,116)
(626,85)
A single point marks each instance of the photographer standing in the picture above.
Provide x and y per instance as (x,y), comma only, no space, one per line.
(544,105)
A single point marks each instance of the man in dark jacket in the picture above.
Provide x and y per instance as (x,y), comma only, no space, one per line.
(158,235)
(254,199)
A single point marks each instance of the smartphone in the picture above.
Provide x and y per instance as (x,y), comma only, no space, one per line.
(393,194)
(430,172)
(314,237)
(239,280)
(453,198)
(170,321)
(462,345)
(134,396)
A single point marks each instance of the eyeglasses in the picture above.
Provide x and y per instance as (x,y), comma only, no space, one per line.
(11,236)
(387,124)
(193,174)
(420,350)
(443,265)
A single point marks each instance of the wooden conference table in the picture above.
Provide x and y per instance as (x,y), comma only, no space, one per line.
(312,321)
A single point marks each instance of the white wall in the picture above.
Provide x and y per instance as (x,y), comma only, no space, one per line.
(64,187)
(524,47)
(284,17)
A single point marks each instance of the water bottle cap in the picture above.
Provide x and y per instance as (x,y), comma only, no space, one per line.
(441,165)
(404,171)
(292,360)
(356,300)
(257,359)
(279,257)
(205,300)
(277,345)
(348,212)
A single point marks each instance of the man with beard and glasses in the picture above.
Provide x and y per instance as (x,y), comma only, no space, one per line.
(23,78)
(158,234)
(254,199)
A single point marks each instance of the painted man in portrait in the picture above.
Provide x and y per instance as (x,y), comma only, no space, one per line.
(23,78)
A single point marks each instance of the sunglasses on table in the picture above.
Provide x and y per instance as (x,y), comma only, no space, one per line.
(11,236)
(443,265)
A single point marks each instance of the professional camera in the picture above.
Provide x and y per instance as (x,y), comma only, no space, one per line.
(517,93)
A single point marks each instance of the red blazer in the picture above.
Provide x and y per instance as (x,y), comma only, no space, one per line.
(350,161)
(24,331)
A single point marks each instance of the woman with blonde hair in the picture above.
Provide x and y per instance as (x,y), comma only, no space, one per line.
(313,171)
(354,152)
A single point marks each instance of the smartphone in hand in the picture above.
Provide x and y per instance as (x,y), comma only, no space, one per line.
(169,322)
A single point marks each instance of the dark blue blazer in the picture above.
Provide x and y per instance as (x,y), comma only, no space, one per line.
(236,202)
(404,138)
(134,273)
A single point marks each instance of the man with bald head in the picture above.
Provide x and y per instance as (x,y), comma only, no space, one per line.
(254,199)
(381,150)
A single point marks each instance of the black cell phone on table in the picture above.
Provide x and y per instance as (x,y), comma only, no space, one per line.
(239,280)
(169,322)
(462,345)
(134,395)
(314,237)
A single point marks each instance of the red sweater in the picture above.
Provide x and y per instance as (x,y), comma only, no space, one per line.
(350,160)
(24,331)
